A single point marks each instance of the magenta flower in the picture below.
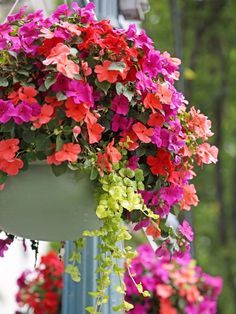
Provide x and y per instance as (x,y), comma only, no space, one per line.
(4,243)
(23,113)
(152,64)
(120,104)
(80,91)
(7,111)
(171,194)
(186,230)
(133,162)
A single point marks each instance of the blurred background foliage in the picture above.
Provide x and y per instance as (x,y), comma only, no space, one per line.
(202,33)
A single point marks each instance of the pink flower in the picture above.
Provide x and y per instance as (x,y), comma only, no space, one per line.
(164,291)
(206,154)
(199,124)
(189,197)
(186,230)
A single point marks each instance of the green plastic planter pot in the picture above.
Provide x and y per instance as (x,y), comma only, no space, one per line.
(36,204)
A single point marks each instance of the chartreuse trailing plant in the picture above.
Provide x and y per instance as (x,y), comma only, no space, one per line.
(80,95)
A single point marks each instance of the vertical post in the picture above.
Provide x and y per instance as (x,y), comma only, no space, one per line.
(75,295)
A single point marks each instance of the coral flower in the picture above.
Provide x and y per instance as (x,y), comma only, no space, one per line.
(151,101)
(67,67)
(113,153)
(8,148)
(164,291)
(143,133)
(189,197)
(57,53)
(44,116)
(156,119)
(11,167)
(206,154)
(105,74)
(76,111)
(164,94)
(69,152)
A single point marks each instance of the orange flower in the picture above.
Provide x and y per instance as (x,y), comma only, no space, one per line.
(151,101)
(76,111)
(51,100)
(191,293)
(153,231)
(104,74)
(69,152)
(44,117)
(113,153)
(142,132)
(8,148)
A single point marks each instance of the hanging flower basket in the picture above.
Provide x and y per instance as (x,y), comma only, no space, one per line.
(38,205)
(84,97)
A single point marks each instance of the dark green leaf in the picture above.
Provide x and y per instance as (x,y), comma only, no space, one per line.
(104,86)
(59,143)
(28,136)
(50,80)
(93,174)
(59,170)
(3,82)
(42,142)
(3,177)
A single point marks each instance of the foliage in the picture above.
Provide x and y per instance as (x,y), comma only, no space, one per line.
(83,96)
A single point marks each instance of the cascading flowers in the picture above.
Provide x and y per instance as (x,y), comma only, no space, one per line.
(175,286)
(79,94)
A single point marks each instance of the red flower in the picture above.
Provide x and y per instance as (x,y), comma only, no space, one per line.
(156,119)
(161,164)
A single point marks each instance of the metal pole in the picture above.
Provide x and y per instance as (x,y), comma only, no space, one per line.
(75,295)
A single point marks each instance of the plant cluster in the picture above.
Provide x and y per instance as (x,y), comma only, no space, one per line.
(40,289)
(81,95)
(176,286)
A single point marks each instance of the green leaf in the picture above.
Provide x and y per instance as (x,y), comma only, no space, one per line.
(28,136)
(3,177)
(73,271)
(42,142)
(50,80)
(59,170)
(3,82)
(93,174)
(104,86)
(59,143)
(61,96)
(117,66)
